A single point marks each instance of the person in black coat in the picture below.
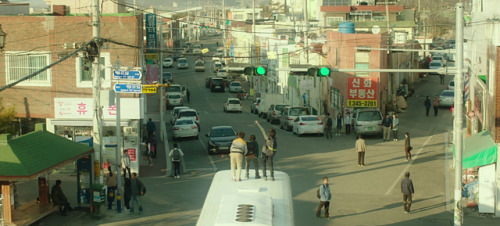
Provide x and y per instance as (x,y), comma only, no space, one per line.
(126,189)
(59,199)
(427,104)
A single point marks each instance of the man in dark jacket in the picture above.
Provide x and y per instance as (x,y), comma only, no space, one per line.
(427,104)
(386,126)
(137,190)
(151,127)
(59,199)
(407,190)
(252,156)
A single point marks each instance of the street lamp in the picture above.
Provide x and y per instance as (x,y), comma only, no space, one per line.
(2,38)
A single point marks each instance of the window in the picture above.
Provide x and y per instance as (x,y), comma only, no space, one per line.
(336,2)
(362,60)
(335,98)
(84,71)
(330,20)
(21,64)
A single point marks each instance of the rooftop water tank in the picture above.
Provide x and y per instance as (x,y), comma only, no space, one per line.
(346,27)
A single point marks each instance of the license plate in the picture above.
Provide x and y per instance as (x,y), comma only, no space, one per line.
(223,148)
(369,128)
(217,86)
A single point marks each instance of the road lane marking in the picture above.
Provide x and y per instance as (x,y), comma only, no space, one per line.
(398,180)
(214,168)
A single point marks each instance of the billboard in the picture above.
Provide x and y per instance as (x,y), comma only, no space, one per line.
(362,92)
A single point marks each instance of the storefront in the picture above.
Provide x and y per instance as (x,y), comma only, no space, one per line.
(479,161)
(74,119)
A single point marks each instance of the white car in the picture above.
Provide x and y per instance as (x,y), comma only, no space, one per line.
(196,51)
(235,87)
(191,114)
(185,127)
(232,104)
(308,124)
(222,73)
(168,62)
(182,63)
(175,112)
(174,99)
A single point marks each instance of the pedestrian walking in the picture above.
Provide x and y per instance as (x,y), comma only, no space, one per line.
(176,155)
(188,94)
(407,147)
(324,198)
(237,150)
(146,149)
(408,191)
(59,199)
(386,126)
(137,190)
(125,162)
(328,127)
(435,104)
(217,43)
(347,122)
(268,151)
(361,149)
(151,127)
(252,156)
(339,124)
(427,104)
(441,79)
(126,189)
(111,183)
(153,144)
(395,126)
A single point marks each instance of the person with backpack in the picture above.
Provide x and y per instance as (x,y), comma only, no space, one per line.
(252,156)
(137,190)
(176,154)
(324,196)
(268,150)
(328,127)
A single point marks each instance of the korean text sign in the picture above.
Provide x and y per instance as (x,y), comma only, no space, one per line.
(362,92)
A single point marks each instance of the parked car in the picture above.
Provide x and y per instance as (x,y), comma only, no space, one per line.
(255,106)
(439,58)
(451,85)
(191,114)
(235,87)
(435,65)
(182,63)
(168,77)
(220,139)
(175,112)
(232,104)
(197,51)
(185,127)
(447,98)
(274,112)
(174,99)
(176,88)
(308,124)
(168,62)
(216,85)
(222,73)
(199,65)
(289,114)
(367,121)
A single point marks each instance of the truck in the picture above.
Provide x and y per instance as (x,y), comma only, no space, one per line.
(266,100)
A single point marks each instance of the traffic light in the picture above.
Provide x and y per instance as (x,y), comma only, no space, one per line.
(321,72)
(312,71)
(259,71)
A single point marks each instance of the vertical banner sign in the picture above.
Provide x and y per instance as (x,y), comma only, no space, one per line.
(362,92)
(151,33)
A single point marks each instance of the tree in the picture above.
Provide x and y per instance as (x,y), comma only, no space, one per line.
(7,115)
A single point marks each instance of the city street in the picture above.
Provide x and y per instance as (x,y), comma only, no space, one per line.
(361,195)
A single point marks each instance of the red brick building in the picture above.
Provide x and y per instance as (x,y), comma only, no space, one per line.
(34,42)
(342,54)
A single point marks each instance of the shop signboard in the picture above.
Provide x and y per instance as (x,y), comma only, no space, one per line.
(151,38)
(362,92)
(132,153)
(83,108)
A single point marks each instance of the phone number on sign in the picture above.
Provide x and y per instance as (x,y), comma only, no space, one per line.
(361,103)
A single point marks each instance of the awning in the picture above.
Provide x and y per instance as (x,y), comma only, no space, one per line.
(479,150)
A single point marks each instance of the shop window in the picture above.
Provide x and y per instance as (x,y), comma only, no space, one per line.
(84,71)
(20,64)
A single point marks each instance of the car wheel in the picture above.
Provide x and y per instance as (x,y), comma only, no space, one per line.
(197,137)
(268,120)
(289,128)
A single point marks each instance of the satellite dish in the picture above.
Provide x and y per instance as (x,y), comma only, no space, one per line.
(375,29)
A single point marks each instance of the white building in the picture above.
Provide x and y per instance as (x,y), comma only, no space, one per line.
(85,6)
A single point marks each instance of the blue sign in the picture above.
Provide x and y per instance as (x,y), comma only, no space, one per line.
(151,38)
(128,88)
(131,75)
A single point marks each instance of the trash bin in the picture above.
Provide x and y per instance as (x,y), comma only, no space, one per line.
(99,198)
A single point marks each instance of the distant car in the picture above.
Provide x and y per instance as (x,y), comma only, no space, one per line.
(451,85)
(217,66)
(435,65)
(447,98)
(174,99)
(367,121)
(185,128)
(274,112)
(208,81)
(199,65)
(197,51)
(235,87)
(220,139)
(255,106)
(176,88)
(308,124)
(189,113)
(168,77)
(232,104)
(176,56)
(217,85)
(182,63)
(222,73)
(197,46)
(439,58)
(175,112)
(168,62)
(219,53)
(289,114)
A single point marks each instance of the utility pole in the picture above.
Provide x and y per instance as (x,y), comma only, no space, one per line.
(96,88)
(389,41)
(224,20)
(160,91)
(458,112)
(118,146)
(306,39)
(252,56)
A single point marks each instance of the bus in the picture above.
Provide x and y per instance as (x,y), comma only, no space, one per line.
(249,202)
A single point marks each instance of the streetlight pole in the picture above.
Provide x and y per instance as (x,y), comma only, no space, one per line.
(458,112)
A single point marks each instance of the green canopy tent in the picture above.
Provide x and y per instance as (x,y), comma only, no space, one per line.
(479,150)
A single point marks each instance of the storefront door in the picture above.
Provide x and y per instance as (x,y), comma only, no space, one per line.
(487,189)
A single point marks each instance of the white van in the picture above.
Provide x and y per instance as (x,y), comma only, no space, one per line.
(249,202)
(176,88)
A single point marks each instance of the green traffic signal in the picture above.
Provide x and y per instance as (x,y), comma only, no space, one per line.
(260,70)
(324,72)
